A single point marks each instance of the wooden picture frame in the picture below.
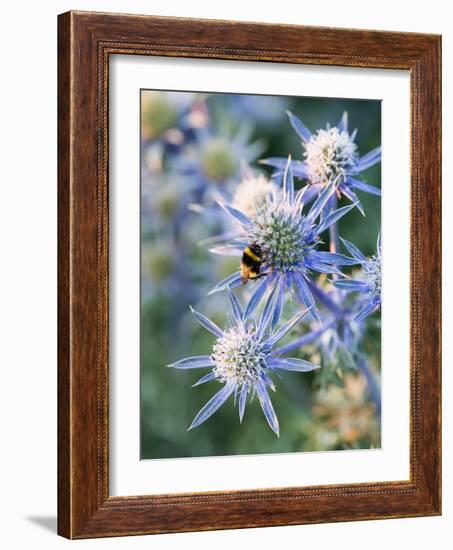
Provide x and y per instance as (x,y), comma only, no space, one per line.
(85,42)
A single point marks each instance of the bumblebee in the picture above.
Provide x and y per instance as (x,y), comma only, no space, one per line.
(251,263)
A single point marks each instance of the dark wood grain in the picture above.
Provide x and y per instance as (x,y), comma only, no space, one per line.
(85,42)
(64,368)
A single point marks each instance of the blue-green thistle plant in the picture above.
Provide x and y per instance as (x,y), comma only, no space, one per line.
(243,357)
(331,155)
(369,281)
(288,226)
(289,241)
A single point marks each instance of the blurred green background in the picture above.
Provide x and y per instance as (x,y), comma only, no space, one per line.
(177,272)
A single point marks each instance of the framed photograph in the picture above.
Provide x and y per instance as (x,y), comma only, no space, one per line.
(249,275)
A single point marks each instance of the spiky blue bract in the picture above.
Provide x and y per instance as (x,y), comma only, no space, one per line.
(369,281)
(330,156)
(289,240)
(243,358)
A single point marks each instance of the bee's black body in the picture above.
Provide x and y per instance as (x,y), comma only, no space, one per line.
(251,262)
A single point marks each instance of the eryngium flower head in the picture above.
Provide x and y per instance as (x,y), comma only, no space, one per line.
(329,154)
(369,281)
(214,160)
(331,157)
(159,113)
(218,160)
(168,116)
(252,192)
(288,240)
(242,359)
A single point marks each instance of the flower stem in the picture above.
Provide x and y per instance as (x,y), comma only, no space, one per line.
(373,385)
(334,244)
(333,229)
(326,300)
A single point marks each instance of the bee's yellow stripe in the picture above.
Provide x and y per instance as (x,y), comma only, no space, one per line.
(252,255)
